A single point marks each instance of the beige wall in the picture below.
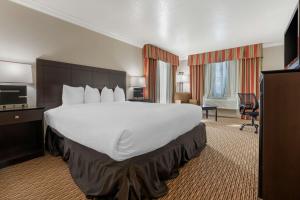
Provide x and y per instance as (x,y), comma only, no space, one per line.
(273,58)
(26,34)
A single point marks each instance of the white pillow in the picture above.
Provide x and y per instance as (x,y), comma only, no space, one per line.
(72,95)
(107,95)
(119,94)
(91,95)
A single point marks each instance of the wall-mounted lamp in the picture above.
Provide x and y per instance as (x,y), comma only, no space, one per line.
(11,72)
(12,96)
(181,78)
(137,81)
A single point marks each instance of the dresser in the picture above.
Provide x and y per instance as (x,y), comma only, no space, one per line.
(279,144)
(21,135)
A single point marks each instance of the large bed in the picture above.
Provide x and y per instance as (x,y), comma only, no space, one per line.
(118,150)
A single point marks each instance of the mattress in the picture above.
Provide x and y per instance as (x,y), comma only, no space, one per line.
(123,130)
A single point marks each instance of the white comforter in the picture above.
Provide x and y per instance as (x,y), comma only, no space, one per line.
(124,130)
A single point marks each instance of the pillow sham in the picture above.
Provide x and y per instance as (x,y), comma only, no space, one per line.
(72,95)
(91,95)
(107,95)
(119,94)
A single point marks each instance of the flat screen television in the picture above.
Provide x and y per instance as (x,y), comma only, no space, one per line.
(291,43)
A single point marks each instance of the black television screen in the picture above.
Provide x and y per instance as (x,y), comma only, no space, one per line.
(291,42)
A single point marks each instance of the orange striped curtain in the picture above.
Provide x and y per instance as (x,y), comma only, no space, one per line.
(174,71)
(157,53)
(197,82)
(150,66)
(245,52)
(249,75)
(151,55)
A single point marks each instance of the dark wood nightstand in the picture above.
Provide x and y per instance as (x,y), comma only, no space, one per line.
(21,135)
(141,100)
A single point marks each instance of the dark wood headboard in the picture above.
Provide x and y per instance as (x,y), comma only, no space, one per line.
(51,76)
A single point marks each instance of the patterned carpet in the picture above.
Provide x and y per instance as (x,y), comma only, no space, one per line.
(226,169)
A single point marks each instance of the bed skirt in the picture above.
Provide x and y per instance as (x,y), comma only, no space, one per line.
(142,177)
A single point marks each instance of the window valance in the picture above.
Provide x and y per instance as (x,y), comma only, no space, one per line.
(156,53)
(245,52)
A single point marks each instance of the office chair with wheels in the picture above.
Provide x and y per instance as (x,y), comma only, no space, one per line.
(249,107)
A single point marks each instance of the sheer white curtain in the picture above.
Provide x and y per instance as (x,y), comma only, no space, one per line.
(164,87)
(221,84)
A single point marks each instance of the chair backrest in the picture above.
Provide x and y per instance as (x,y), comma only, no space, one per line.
(248,101)
(183,96)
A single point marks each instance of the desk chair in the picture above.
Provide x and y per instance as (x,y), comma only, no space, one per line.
(184,97)
(249,107)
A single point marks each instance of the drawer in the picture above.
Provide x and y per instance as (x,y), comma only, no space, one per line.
(14,117)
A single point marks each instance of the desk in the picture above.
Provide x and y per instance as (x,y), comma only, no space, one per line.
(208,107)
(21,135)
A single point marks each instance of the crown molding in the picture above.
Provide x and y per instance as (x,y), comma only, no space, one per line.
(272,44)
(73,20)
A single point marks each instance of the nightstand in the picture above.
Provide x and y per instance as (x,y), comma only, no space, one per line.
(141,100)
(21,135)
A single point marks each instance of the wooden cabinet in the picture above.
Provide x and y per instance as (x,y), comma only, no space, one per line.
(21,135)
(279,152)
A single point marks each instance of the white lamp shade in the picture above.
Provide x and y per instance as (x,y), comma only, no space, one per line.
(11,72)
(137,81)
(181,78)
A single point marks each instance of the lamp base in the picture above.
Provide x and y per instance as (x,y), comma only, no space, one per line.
(138,93)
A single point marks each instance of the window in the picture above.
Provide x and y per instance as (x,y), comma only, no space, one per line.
(221,85)
(164,83)
(220,79)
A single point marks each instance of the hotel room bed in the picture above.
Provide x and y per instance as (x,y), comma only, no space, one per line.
(141,177)
(116,150)
(123,130)
(125,150)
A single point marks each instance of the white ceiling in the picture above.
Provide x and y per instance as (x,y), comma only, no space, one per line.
(181,26)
